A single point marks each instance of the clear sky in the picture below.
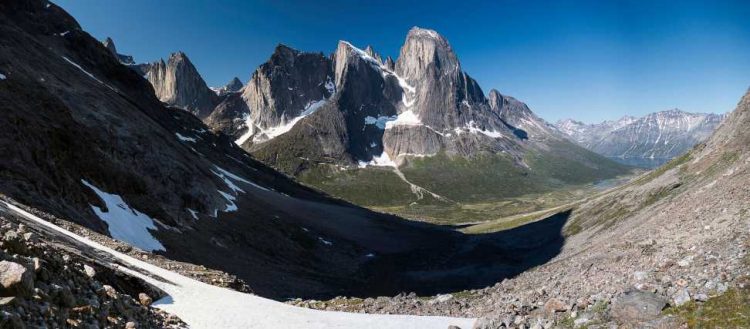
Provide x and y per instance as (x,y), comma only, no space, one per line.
(588,60)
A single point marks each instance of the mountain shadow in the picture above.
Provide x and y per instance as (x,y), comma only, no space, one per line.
(472,262)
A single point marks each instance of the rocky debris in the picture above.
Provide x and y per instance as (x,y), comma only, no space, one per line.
(637,306)
(89,270)
(52,287)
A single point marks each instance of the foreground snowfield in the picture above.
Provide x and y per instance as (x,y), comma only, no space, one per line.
(204,306)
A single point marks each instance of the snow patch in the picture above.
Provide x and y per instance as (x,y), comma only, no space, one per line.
(125,223)
(88,73)
(185,138)
(330,86)
(380,121)
(382,160)
(266,134)
(193,213)
(231,206)
(325,242)
(227,177)
(472,128)
(406,118)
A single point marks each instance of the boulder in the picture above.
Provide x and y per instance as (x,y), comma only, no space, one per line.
(681,297)
(90,272)
(637,306)
(15,279)
(144,299)
(555,305)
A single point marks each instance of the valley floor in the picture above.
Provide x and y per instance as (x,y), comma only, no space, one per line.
(649,240)
(505,213)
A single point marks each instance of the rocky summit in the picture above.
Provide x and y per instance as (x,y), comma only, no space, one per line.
(177,83)
(337,121)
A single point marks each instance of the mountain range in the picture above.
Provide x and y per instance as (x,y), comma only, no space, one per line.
(375,131)
(649,141)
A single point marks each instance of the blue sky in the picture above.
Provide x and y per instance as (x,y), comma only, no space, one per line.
(588,60)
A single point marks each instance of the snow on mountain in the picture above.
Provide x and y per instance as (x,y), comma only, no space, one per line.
(124,222)
(233,86)
(656,137)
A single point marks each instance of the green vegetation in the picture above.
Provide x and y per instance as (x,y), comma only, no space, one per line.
(726,160)
(488,187)
(484,177)
(666,167)
(512,221)
(366,187)
(605,214)
(730,310)
(495,211)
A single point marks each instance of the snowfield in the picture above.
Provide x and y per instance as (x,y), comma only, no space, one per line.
(205,306)
(124,222)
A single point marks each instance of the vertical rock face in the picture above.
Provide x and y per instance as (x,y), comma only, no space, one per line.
(177,83)
(124,59)
(367,92)
(428,64)
(657,136)
(291,85)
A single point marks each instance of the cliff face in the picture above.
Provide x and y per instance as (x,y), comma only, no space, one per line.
(291,85)
(177,83)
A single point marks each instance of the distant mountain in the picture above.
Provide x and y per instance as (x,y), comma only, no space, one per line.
(178,83)
(233,86)
(339,121)
(648,141)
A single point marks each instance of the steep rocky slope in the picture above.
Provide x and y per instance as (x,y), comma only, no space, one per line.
(671,246)
(648,141)
(372,131)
